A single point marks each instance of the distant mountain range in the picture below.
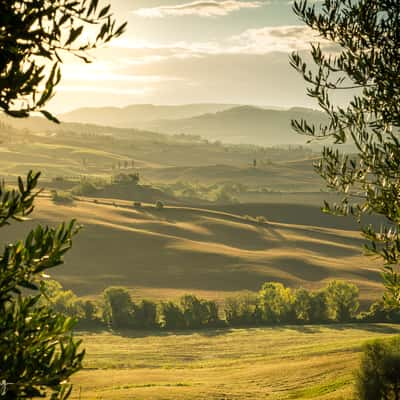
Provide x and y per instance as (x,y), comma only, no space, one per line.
(245,124)
(135,115)
(223,122)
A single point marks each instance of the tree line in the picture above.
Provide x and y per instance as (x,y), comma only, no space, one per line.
(274,304)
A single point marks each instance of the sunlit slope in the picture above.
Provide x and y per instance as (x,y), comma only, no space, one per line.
(199,250)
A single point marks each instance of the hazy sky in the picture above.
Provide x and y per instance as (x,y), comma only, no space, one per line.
(183,51)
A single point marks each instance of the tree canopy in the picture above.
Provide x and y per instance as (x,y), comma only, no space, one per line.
(34,38)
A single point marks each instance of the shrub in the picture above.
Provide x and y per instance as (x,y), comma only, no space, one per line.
(159,205)
(379,373)
(85,188)
(59,197)
(137,204)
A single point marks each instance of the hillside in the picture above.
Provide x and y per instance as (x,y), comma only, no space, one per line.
(72,149)
(244,124)
(180,249)
(296,176)
(227,123)
(136,114)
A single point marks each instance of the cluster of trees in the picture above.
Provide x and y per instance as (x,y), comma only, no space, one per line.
(66,302)
(89,186)
(222,193)
(189,312)
(274,304)
(126,178)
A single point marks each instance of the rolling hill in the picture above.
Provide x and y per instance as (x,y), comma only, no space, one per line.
(182,249)
(223,122)
(73,149)
(135,115)
(244,124)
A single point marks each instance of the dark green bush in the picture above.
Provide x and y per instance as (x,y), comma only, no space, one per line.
(378,377)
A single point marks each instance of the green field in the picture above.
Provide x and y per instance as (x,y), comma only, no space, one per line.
(292,362)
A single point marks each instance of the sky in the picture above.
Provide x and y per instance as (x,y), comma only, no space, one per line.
(193,51)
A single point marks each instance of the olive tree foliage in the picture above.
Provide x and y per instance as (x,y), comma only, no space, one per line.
(364,61)
(37,350)
(34,38)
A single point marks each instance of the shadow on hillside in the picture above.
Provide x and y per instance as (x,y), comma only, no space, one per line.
(307,329)
(374,327)
(138,334)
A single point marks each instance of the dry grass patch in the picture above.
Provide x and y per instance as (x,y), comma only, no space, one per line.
(261,363)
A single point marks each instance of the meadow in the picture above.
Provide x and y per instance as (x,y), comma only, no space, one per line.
(275,363)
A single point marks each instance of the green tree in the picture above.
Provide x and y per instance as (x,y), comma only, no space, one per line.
(362,60)
(319,307)
(118,310)
(379,375)
(198,313)
(302,305)
(275,302)
(212,313)
(342,301)
(194,311)
(145,314)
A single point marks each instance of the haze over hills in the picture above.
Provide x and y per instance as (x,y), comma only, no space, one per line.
(245,124)
(227,123)
(135,115)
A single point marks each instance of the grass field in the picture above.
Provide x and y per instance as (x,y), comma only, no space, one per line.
(294,362)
